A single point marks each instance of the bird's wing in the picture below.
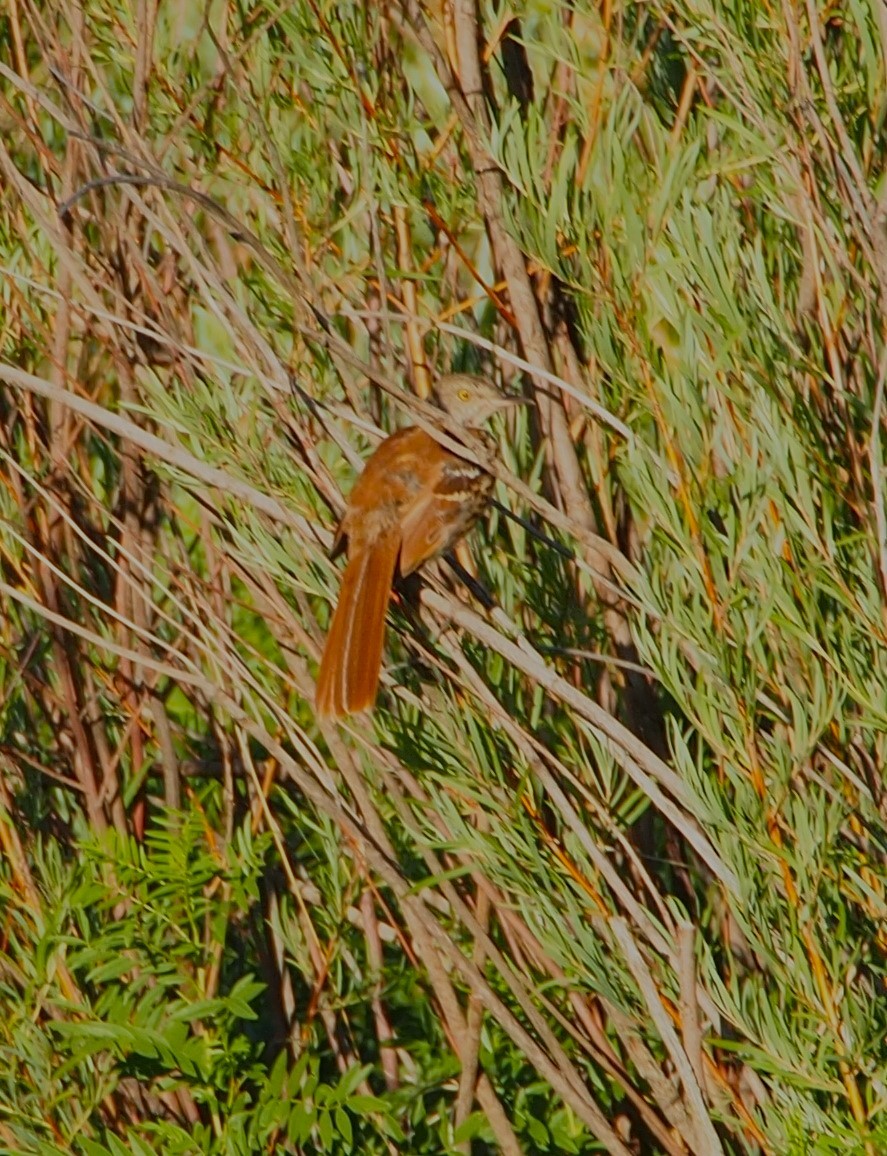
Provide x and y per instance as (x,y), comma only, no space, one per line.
(441,514)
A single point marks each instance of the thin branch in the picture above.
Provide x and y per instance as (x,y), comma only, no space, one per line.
(876,467)
(645,768)
(706,1141)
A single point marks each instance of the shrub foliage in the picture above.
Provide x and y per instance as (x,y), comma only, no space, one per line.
(605,870)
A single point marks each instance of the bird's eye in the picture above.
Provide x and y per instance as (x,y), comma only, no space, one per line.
(464,395)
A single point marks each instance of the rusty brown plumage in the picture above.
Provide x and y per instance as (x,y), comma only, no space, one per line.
(412,502)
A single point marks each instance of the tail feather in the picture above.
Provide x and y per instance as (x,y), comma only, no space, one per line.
(352,659)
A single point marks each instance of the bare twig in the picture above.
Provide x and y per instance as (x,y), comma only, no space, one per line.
(706,1140)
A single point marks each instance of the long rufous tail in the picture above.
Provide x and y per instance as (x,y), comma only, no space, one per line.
(352,659)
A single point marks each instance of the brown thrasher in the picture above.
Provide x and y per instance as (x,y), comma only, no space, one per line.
(413,500)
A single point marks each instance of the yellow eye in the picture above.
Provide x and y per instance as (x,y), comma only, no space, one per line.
(464,395)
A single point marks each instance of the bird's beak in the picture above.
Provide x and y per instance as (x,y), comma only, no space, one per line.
(509,400)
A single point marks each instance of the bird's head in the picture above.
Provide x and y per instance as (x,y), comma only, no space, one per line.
(471,400)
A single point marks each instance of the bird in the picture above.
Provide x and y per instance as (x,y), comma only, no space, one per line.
(414,500)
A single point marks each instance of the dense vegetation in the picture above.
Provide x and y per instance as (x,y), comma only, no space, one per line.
(606,869)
